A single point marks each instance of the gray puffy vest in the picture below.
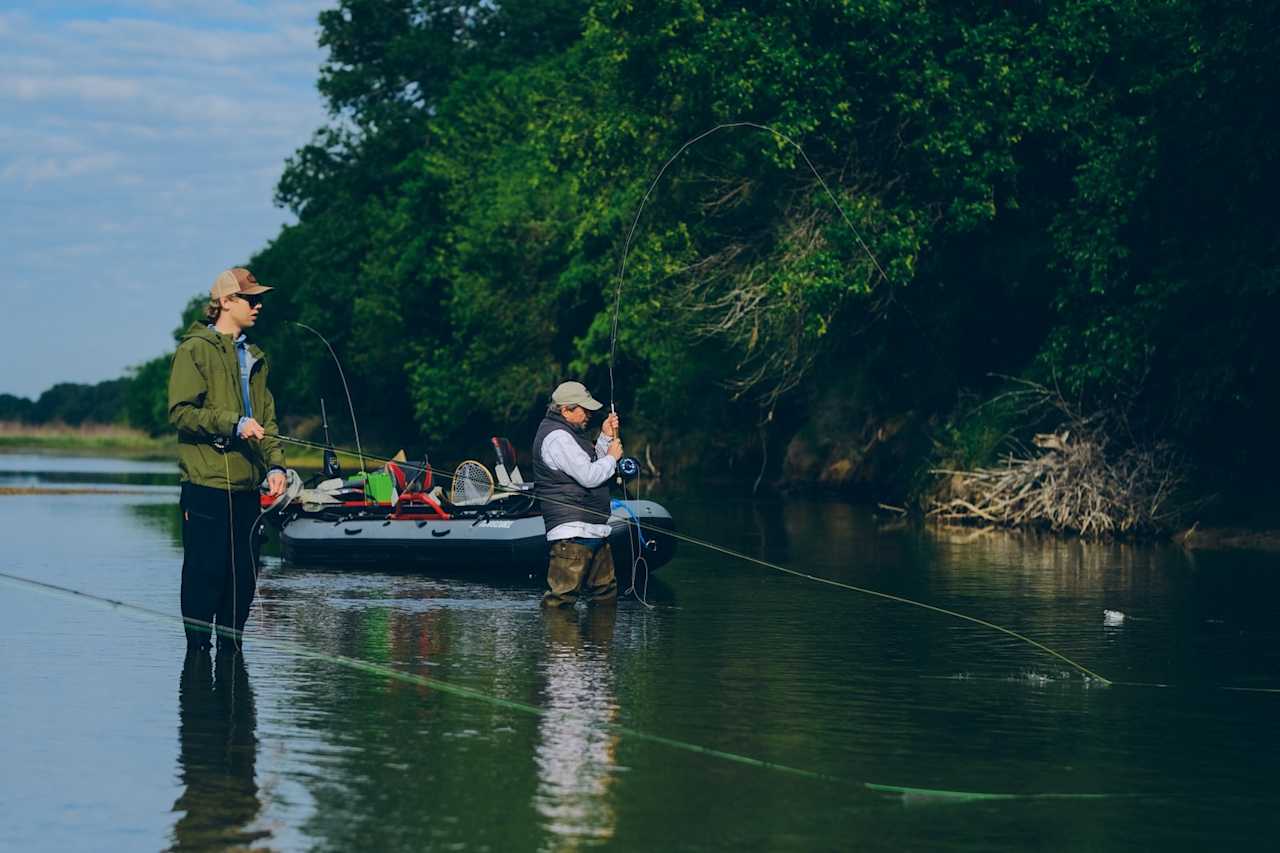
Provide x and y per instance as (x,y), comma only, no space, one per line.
(568,500)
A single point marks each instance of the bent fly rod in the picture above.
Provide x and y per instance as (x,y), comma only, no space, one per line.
(626,248)
(341,375)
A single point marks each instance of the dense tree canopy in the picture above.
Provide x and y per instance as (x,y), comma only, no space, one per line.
(1070,190)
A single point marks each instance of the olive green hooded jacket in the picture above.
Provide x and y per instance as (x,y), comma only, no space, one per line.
(205,404)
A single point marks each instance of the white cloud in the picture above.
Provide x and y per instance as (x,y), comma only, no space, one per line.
(234,10)
(140,145)
(155,40)
(87,87)
(35,170)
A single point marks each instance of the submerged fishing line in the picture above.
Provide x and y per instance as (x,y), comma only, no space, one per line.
(776,567)
(702,543)
(299,650)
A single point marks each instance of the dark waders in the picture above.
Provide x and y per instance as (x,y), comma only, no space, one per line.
(580,565)
(217,587)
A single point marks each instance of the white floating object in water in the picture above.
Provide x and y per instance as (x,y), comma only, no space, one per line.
(1112,617)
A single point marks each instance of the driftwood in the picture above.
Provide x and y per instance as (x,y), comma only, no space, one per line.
(1073,481)
(1069,486)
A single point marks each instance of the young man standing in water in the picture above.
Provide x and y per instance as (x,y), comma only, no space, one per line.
(226,422)
(572,476)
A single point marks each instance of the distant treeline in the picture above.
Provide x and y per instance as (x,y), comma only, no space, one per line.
(70,403)
(1075,192)
(138,399)
(126,401)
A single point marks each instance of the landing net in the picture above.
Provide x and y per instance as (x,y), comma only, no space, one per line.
(472,485)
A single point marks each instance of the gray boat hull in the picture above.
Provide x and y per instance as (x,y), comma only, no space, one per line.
(516,546)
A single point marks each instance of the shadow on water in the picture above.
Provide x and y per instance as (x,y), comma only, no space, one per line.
(218,749)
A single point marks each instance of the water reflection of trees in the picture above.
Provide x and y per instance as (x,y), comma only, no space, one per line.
(404,765)
(576,753)
(847,542)
(165,517)
(161,516)
(1046,565)
(217,754)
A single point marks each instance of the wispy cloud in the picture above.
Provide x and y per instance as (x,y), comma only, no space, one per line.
(141,144)
(36,169)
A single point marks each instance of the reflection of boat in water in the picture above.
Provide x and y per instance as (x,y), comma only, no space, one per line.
(398,518)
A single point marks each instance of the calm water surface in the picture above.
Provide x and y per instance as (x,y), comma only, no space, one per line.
(107,743)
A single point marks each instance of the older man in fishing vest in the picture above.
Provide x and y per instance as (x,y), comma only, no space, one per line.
(226,422)
(572,482)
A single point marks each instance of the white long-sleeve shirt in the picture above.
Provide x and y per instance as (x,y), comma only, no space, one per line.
(561,452)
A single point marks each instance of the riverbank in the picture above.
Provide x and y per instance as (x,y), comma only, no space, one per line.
(1197,538)
(841,483)
(118,442)
(85,440)
(122,442)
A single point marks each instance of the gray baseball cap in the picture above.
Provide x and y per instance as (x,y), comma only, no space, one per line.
(574,394)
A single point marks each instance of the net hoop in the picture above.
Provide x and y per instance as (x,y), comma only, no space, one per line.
(472,484)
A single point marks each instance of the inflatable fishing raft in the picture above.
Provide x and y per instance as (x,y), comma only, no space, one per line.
(397,517)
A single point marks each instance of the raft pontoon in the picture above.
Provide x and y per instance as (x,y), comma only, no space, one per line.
(398,520)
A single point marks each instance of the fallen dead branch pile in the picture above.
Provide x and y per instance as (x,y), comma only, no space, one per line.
(1070,483)
(1070,486)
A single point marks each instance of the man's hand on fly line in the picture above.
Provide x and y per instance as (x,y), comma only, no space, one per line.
(275,483)
(252,429)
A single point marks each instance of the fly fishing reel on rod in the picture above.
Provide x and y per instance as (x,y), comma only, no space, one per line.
(628,468)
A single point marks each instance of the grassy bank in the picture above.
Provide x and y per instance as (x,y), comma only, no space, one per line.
(123,441)
(95,439)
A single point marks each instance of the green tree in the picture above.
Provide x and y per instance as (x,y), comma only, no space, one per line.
(1073,190)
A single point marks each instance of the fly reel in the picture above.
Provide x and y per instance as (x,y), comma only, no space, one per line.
(628,468)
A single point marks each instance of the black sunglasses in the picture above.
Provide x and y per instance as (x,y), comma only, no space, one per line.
(254,299)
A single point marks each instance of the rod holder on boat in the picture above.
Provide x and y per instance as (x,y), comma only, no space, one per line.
(331,466)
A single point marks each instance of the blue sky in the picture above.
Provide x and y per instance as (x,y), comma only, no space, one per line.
(140,144)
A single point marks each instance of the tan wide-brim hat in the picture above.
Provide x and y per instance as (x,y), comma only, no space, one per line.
(236,282)
(574,394)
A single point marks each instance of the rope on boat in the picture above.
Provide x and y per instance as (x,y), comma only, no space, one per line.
(692,540)
(298,650)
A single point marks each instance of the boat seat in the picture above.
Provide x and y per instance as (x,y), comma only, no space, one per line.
(505,467)
(397,474)
(422,476)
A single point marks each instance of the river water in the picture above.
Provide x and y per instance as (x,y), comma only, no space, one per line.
(108,742)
